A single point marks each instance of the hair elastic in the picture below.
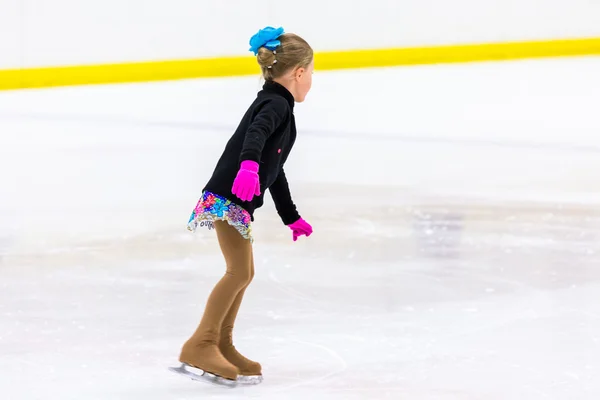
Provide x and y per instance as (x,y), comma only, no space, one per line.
(274,61)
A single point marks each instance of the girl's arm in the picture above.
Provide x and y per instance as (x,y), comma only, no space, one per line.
(271,115)
(280,192)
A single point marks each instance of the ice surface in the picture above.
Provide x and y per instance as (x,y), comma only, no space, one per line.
(455,255)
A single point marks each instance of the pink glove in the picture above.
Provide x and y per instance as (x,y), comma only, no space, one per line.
(246,183)
(299,228)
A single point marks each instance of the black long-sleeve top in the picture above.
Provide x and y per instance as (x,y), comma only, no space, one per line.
(266,134)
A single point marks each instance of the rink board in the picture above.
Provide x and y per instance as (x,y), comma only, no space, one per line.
(330,60)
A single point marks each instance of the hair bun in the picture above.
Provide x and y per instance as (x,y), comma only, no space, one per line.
(265,57)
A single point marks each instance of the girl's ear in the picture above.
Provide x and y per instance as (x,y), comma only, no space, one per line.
(298,73)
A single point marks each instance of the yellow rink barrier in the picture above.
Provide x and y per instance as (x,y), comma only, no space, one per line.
(327,60)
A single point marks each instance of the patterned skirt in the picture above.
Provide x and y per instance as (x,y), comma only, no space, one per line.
(212,207)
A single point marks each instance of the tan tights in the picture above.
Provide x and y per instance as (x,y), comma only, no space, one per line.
(210,348)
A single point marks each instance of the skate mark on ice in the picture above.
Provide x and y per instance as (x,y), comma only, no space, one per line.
(287,290)
(582,312)
(343,366)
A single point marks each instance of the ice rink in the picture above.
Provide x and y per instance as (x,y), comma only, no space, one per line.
(456,252)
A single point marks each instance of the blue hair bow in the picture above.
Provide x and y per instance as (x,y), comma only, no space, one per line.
(266,37)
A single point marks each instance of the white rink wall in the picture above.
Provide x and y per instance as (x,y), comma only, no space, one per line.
(72,32)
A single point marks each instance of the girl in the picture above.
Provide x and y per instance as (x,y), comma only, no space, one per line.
(251,163)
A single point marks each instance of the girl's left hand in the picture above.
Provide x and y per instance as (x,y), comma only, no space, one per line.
(299,228)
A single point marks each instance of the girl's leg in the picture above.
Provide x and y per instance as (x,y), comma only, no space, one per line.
(201,350)
(247,367)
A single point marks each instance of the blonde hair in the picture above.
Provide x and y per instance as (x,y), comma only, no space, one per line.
(293,52)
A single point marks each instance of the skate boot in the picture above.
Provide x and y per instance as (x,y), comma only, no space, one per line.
(208,358)
(250,372)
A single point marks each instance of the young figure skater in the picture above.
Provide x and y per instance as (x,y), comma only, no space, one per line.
(251,163)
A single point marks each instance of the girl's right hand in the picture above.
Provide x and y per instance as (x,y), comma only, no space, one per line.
(246,184)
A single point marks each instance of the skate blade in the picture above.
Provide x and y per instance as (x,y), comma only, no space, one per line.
(249,379)
(203,376)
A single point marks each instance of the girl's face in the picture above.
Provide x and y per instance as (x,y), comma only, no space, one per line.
(303,81)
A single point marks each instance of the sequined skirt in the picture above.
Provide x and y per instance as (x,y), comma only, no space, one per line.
(211,207)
